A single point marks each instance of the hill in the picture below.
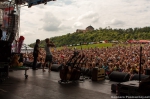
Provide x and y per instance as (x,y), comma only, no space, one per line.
(101,34)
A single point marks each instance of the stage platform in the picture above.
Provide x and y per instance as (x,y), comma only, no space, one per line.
(44,85)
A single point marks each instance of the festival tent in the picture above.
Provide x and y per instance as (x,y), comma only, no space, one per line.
(26,49)
(144,41)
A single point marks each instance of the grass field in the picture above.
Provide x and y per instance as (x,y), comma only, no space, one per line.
(100,45)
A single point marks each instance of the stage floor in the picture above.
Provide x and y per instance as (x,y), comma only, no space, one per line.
(44,85)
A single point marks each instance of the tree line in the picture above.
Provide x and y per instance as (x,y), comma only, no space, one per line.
(101,34)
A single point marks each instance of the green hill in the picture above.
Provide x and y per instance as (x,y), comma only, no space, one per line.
(107,34)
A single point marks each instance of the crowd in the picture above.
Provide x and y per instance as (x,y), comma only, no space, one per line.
(116,58)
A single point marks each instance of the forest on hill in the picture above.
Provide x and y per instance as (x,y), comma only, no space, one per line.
(101,34)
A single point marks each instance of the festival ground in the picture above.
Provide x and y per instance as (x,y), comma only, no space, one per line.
(44,85)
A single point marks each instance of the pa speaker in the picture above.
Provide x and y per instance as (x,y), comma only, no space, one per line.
(55,67)
(5,51)
(119,76)
(147,71)
(136,77)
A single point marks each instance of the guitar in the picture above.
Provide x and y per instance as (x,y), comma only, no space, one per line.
(76,70)
(65,70)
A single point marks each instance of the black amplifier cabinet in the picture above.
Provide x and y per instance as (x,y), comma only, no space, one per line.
(129,88)
(147,71)
(5,51)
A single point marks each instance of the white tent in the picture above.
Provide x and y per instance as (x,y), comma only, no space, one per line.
(26,49)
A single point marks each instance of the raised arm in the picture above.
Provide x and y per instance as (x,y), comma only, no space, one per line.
(50,45)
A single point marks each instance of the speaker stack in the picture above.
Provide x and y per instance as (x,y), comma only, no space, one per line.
(131,88)
(5,51)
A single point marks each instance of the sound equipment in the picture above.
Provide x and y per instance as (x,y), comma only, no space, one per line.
(55,67)
(144,87)
(5,51)
(98,74)
(119,76)
(4,72)
(136,77)
(147,71)
(128,89)
(113,87)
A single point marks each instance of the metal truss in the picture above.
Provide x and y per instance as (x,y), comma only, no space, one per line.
(13,19)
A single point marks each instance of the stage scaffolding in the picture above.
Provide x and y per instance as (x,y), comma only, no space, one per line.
(10,15)
(10,19)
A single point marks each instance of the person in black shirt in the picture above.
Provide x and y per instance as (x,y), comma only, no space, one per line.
(35,54)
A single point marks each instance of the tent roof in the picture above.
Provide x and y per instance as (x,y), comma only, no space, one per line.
(26,46)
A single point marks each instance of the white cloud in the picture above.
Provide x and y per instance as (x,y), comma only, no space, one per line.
(51,22)
(65,16)
(115,22)
(87,15)
(77,24)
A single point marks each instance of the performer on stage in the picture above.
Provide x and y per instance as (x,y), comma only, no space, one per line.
(35,54)
(48,57)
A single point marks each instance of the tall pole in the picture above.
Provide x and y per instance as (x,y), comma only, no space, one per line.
(140,64)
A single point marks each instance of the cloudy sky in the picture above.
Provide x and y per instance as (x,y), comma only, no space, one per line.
(65,16)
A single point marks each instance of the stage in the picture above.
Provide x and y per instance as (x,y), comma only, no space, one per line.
(44,85)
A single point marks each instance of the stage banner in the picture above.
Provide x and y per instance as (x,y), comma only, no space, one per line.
(7,11)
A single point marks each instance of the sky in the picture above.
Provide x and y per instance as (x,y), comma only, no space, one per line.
(61,17)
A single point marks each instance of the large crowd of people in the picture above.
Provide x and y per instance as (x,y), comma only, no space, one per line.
(116,58)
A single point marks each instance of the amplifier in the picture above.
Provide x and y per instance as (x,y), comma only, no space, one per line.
(147,71)
(129,88)
(98,74)
(5,51)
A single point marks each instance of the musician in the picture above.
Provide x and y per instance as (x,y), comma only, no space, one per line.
(35,54)
(48,58)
